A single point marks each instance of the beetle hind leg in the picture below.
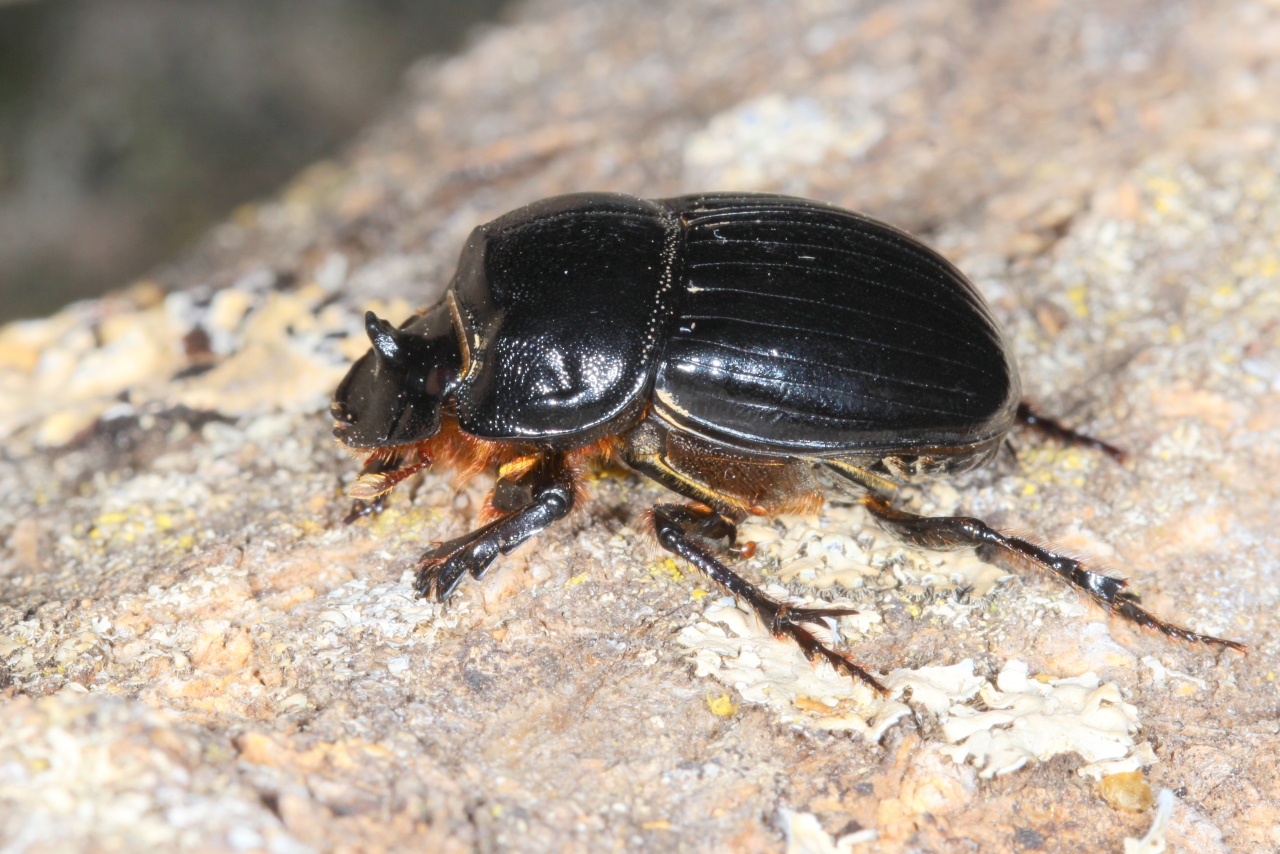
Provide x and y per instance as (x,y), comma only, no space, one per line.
(1030,417)
(679,530)
(952,532)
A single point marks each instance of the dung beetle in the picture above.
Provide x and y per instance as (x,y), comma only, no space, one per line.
(750,352)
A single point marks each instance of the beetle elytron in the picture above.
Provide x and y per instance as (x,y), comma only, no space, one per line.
(749,352)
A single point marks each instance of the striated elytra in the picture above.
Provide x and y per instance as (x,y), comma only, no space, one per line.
(753,353)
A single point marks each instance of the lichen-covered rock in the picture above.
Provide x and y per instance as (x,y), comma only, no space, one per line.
(198,655)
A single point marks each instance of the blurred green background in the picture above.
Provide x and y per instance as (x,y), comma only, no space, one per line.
(129,127)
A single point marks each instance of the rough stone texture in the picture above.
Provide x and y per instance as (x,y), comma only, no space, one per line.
(199,656)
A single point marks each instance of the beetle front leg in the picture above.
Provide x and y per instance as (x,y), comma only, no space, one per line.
(679,529)
(538,495)
(951,532)
(376,464)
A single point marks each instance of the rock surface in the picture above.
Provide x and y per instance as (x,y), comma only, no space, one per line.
(199,656)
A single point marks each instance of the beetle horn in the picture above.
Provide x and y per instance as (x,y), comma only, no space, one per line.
(387,341)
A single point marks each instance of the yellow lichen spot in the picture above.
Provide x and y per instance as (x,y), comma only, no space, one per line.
(495,810)
(1186,689)
(1271,676)
(721,706)
(388,522)
(163,521)
(1269,267)
(660,824)
(1164,191)
(1078,297)
(310,526)
(576,580)
(112,519)
(1177,335)
(1028,489)
(812,704)
(698,594)
(668,568)
(187,542)
(1127,791)
(1164,185)
(1044,170)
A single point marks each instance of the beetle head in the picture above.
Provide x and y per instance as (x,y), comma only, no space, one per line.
(393,394)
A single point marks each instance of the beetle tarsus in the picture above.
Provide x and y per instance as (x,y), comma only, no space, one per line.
(951,532)
(676,526)
(360,509)
(1129,609)
(441,567)
(1049,427)
(549,484)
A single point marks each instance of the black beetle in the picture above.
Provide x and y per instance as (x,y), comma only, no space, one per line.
(750,352)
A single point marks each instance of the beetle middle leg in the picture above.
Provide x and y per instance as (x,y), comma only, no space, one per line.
(727,487)
(532,494)
(952,532)
(676,526)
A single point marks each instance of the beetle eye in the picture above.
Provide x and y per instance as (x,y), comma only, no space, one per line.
(340,413)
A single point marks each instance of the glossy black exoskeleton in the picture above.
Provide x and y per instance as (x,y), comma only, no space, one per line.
(749,352)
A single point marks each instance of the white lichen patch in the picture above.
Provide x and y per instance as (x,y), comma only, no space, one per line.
(391,611)
(805,835)
(1033,719)
(732,645)
(937,689)
(1018,719)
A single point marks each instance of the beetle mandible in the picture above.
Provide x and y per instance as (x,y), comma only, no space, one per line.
(750,352)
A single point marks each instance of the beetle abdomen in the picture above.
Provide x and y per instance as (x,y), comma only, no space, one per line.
(805,328)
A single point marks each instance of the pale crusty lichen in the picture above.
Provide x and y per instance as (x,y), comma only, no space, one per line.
(176,350)
(1030,719)
(805,835)
(1020,719)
